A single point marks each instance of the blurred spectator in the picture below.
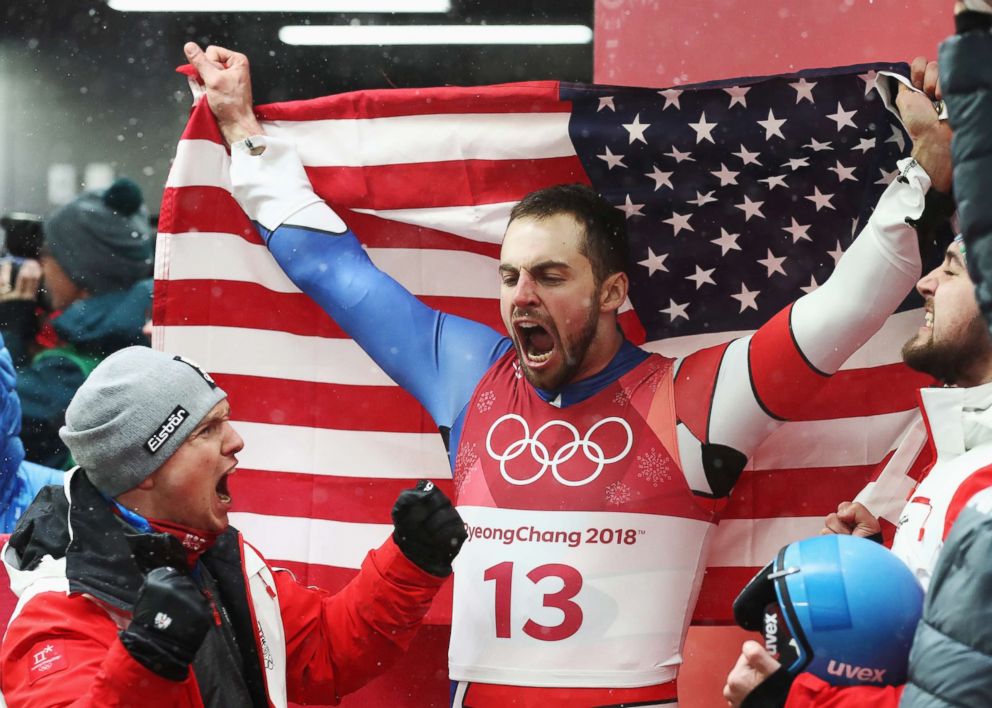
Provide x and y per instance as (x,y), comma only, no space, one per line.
(97,262)
(19,480)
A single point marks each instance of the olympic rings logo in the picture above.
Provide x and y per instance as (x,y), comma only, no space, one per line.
(540,453)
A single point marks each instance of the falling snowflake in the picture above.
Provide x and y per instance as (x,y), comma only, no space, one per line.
(621,398)
(653,467)
(485,401)
(617,494)
(467,457)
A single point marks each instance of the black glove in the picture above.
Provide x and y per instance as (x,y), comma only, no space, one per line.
(427,528)
(770,693)
(171,618)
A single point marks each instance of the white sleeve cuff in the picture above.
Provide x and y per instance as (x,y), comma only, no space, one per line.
(273,186)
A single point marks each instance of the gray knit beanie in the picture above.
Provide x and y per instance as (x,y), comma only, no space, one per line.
(135,410)
(102,240)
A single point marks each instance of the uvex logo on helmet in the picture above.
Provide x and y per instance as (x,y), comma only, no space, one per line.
(865,674)
(166,429)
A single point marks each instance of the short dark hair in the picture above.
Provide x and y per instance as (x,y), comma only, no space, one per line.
(605,243)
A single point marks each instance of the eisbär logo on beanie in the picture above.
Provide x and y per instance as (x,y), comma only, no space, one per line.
(168,427)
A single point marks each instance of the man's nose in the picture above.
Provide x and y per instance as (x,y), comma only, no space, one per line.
(233,442)
(927,285)
(525,292)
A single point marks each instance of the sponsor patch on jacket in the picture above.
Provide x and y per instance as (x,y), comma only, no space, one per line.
(169,426)
(47,658)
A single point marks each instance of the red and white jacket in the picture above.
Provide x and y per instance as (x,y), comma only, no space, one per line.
(76,590)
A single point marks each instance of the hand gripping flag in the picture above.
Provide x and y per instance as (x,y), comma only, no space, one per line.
(739,196)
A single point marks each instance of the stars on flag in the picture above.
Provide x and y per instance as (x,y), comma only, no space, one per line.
(735,194)
(842,172)
(773,263)
(727,242)
(837,252)
(679,222)
(887,176)
(865,144)
(725,175)
(747,298)
(772,126)
(654,263)
(799,231)
(737,95)
(804,90)
(822,201)
(702,199)
(704,130)
(750,208)
(671,98)
(774,181)
(675,310)
(701,277)
(636,130)
(747,157)
(612,160)
(631,209)
(870,78)
(843,118)
(661,179)
(680,156)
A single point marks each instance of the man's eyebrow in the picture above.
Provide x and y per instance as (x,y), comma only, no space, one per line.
(213,417)
(541,265)
(955,257)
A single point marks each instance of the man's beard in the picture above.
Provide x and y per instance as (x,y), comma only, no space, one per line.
(949,361)
(572,356)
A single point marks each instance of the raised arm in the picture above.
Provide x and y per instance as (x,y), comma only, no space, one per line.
(730,398)
(437,357)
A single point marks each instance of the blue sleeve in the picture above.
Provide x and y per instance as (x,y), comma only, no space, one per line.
(439,358)
(19,480)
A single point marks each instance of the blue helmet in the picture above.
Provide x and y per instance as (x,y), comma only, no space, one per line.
(840,607)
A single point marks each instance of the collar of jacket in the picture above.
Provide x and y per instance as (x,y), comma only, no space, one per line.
(105,556)
(958,418)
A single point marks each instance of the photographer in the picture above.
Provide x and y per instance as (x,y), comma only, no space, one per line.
(96,262)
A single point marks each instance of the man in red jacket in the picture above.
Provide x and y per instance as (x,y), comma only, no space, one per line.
(134,589)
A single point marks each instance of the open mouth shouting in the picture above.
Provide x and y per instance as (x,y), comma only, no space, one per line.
(222,490)
(535,343)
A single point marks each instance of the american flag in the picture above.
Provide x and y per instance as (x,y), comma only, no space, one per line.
(740,196)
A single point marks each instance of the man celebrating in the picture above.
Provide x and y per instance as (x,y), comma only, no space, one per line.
(134,589)
(586,469)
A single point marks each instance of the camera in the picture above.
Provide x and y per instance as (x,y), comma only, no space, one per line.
(23,237)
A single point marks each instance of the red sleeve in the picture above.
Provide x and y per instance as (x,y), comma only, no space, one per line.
(64,651)
(809,691)
(337,643)
(976,482)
